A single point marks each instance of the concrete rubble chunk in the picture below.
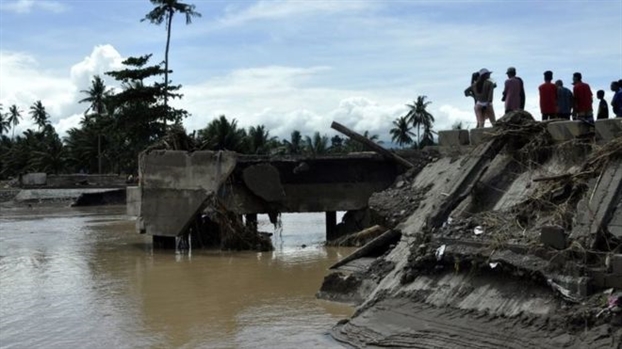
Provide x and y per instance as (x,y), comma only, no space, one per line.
(553,236)
(567,130)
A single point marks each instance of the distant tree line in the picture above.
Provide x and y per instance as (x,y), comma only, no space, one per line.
(118,124)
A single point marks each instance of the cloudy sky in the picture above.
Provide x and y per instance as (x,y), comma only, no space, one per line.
(300,64)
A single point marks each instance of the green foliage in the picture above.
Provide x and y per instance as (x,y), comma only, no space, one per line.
(220,134)
(401,133)
(39,115)
(420,117)
(316,145)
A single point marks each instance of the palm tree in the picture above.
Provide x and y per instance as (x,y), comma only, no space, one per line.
(401,133)
(14,116)
(97,96)
(164,11)
(318,144)
(419,116)
(259,140)
(220,134)
(294,145)
(4,122)
(39,115)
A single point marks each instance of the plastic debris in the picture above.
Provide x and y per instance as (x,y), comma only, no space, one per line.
(440,252)
(564,292)
(493,265)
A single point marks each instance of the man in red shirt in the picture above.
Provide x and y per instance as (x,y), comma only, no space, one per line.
(548,97)
(582,99)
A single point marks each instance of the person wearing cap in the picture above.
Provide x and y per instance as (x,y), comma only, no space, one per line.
(548,97)
(564,101)
(582,99)
(514,92)
(483,93)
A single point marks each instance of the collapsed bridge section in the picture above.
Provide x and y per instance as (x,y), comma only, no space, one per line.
(174,186)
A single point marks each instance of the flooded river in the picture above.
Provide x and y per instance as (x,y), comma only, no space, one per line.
(81,278)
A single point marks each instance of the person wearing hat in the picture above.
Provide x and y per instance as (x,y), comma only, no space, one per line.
(514,92)
(548,97)
(482,91)
(582,99)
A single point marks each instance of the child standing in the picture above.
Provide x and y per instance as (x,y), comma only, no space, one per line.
(603,109)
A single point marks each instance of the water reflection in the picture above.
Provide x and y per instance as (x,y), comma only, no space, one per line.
(82,278)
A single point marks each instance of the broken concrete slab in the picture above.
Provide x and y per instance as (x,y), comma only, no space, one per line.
(608,129)
(596,209)
(453,138)
(479,135)
(175,184)
(553,236)
(264,181)
(33,179)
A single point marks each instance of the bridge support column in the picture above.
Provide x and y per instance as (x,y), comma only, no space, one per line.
(331,225)
(251,220)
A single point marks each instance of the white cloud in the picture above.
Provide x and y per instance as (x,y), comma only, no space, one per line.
(277,9)
(27,6)
(23,81)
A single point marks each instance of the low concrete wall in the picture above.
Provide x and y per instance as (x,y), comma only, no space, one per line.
(567,130)
(608,129)
(453,138)
(479,135)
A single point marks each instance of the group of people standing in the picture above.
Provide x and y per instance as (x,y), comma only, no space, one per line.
(556,101)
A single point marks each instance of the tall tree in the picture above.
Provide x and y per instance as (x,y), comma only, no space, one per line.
(419,116)
(294,145)
(163,12)
(317,144)
(221,134)
(5,126)
(39,115)
(14,116)
(259,140)
(97,96)
(401,133)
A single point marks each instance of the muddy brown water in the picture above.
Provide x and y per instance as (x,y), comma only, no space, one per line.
(81,278)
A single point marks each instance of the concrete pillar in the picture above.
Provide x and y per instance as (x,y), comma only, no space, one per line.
(331,225)
(251,220)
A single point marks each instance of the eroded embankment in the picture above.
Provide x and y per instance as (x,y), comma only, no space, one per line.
(504,246)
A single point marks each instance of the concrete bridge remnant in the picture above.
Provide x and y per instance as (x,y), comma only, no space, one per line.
(175,185)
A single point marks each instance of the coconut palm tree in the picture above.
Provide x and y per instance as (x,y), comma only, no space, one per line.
(419,116)
(259,140)
(39,115)
(5,126)
(163,12)
(401,133)
(294,144)
(97,96)
(220,134)
(14,116)
(317,145)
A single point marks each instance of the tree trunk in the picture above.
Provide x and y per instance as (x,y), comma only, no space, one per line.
(168,43)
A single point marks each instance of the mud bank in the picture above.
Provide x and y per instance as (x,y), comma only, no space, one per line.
(513,243)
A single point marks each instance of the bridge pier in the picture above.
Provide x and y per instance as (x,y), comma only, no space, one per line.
(331,225)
